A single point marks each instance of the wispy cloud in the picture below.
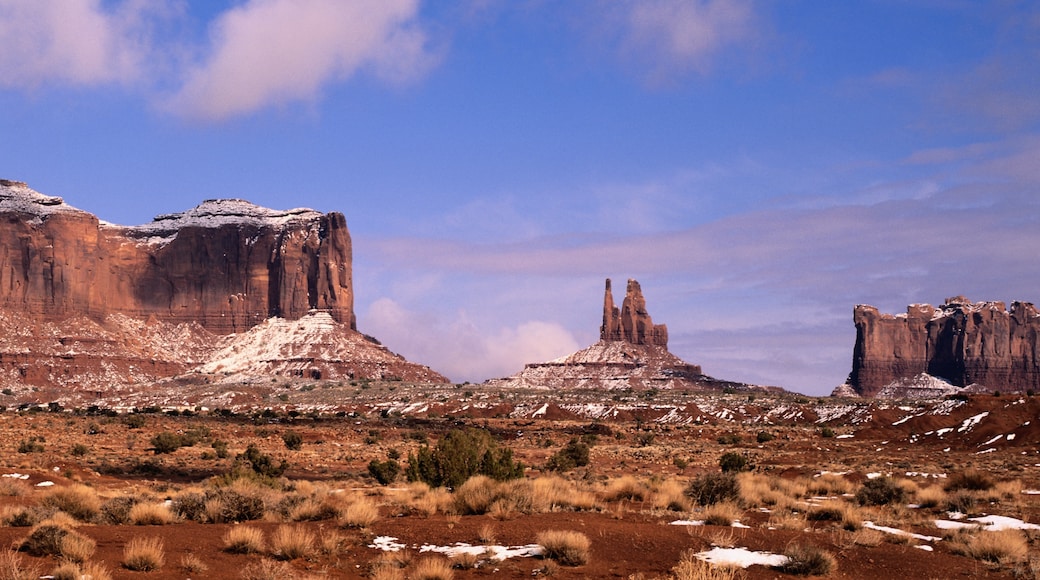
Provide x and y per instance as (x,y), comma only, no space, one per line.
(74,42)
(274,52)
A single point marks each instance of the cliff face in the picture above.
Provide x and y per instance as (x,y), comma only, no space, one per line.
(91,306)
(961,342)
(226,264)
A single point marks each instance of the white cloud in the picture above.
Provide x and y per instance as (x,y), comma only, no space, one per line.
(273,52)
(680,35)
(458,348)
(75,42)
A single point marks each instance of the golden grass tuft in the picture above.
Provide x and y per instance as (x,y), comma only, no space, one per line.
(475,496)
(360,513)
(331,542)
(144,554)
(788,520)
(291,542)
(243,540)
(150,514)
(192,564)
(14,567)
(268,570)
(1002,547)
(867,537)
(79,501)
(567,547)
(828,484)
(13,487)
(431,569)
(931,497)
(722,514)
(487,535)
(76,547)
(668,495)
(808,560)
(66,571)
(626,487)
(465,560)
(691,568)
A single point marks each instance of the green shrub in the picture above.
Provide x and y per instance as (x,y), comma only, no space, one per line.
(880,491)
(733,461)
(574,454)
(79,450)
(260,463)
(711,488)
(293,441)
(729,439)
(167,442)
(31,445)
(460,455)
(384,471)
(764,437)
(220,448)
(827,432)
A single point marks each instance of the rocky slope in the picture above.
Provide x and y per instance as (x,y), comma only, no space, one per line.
(977,345)
(87,304)
(632,353)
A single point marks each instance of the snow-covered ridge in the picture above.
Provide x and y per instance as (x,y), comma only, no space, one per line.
(19,197)
(214,213)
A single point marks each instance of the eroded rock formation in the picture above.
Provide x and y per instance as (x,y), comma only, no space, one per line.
(962,342)
(632,323)
(632,353)
(73,289)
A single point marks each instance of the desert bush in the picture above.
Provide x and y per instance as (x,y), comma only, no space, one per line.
(431,569)
(880,491)
(1003,547)
(167,442)
(360,513)
(867,537)
(31,445)
(189,505)
(460,455)
(729,439)
(961,501)
(574,454)
(24,516)
(79,501)
(144,554)
(828,484)
(735,462)
(764,436)
(786,520)
(243,540)
(293,441)
(192,564)
(116,510)
(44,540)
(969,479)
(931,497)
(722,514)
(384,471)
(625,487)
(475,496)
(807,560)
(150,514)
(291,542)
(669,495)
(315,509)
(13,567)
(711,488)
(76,547)
(227,504)
(465,561)
(564,546)
(13,487)
(66,571)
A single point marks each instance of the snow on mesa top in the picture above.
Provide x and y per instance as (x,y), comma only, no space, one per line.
(17,196)
(214,213)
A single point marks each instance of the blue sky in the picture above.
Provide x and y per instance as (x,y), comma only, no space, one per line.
(760,167)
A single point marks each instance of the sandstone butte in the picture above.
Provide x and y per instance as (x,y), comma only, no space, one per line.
(958,346)
(227,287)
(632,353)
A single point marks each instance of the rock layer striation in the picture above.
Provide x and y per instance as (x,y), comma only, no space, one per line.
(963,343)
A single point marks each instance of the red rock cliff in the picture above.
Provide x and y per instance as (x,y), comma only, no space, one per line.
(962,342)
(226,264)
(632,323)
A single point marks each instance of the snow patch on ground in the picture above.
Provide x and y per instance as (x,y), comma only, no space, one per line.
(741,557)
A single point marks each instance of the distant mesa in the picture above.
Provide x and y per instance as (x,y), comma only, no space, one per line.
(88,304)
(632,353)
(956,347)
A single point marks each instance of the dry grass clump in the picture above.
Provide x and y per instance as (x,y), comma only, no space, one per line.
(553,493)
(1007,491)
(13,567)
(828,484)
(360,513)
(52,538)
(144,554)
(625,487)
(13,487)
(434,501)
(567,547)
(79,501)
(330,542)
(389,561)
(243,540)
(150,514)
(312,509)
(487,535)
(431,569)
(291,542)
(268,570)
(24,516)
(722,514)
(788,520)
(1002,547)
(74,571)
(881,491)
(807,560)
(844,514)
(668,495)
(867,537)
(930,497)
(711,488)
(969,479)
(465,561)
(692,568)
(192,564)
(475,496)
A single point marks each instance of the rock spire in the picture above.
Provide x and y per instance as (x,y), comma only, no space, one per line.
(632,323)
